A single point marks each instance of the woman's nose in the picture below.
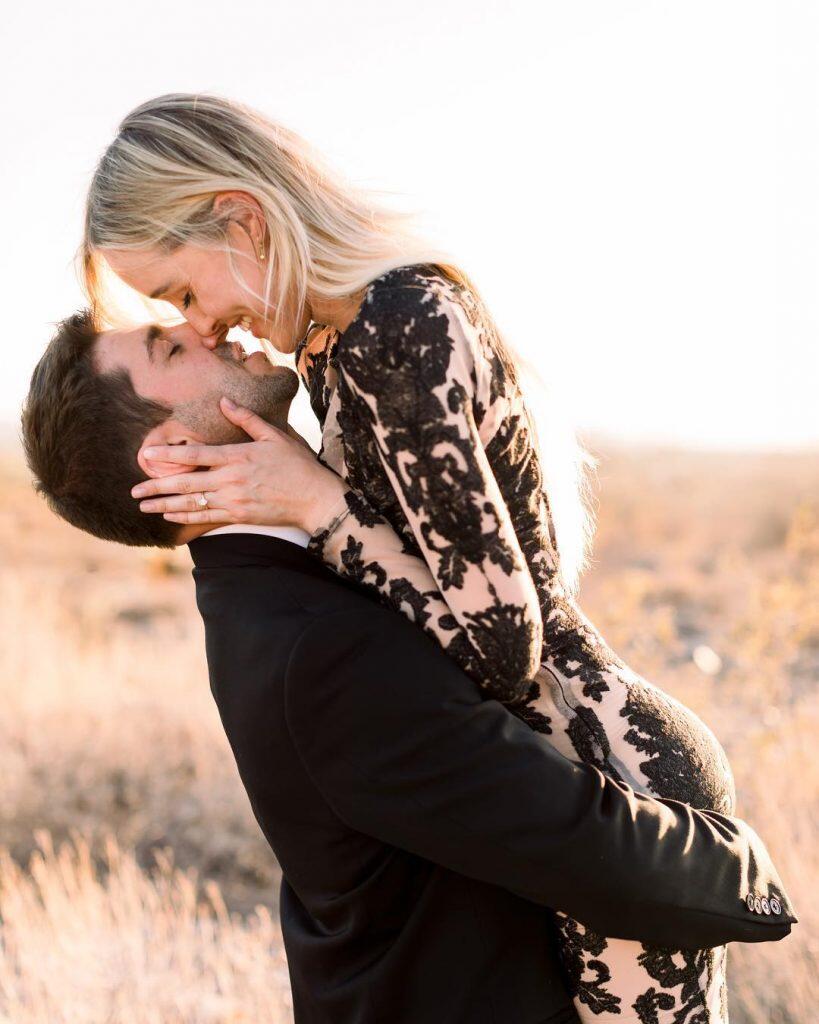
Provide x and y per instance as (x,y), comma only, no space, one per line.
(204,325)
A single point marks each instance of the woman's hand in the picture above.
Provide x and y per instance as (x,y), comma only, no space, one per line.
(273,480)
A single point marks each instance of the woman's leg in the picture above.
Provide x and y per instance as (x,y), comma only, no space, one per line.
(613,980)
(613,719)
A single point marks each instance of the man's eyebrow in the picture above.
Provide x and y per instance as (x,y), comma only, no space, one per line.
(154,331)
(163,289)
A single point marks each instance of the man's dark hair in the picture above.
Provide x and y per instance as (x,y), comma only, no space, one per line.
(82,431)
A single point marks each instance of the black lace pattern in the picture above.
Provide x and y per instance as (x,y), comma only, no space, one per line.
(448,523)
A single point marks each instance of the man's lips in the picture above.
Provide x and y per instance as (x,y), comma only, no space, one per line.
(232,351)
(260,358)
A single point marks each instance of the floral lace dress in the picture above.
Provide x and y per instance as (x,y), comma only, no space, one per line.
(446,521)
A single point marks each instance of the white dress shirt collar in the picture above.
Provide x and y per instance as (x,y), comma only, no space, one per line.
(289,533)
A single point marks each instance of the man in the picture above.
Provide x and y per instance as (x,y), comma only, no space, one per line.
(421,830)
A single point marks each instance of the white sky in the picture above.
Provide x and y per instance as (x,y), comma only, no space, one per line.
(633,183)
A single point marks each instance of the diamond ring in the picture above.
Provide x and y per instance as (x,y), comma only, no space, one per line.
(202,500)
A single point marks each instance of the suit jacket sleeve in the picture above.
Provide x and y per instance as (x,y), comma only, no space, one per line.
(404,748)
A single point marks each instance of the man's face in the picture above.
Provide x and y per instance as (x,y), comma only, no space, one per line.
(173,367)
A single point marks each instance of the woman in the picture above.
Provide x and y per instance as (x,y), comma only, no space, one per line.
(438,504)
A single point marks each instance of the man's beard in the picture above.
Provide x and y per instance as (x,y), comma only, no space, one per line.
(268,395)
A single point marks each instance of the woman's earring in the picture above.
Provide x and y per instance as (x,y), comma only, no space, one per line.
(261,252)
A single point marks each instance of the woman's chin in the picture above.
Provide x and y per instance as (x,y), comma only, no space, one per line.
(278,340)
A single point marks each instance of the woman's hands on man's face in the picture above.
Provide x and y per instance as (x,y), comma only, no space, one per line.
(273,480)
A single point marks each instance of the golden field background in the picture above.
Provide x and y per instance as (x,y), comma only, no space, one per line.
(135,885)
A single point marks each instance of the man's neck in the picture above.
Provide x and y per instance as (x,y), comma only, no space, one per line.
(189,533)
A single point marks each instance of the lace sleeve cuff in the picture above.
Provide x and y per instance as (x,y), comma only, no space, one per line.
(337,514)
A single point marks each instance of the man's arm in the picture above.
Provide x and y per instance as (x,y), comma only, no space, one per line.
(403,748)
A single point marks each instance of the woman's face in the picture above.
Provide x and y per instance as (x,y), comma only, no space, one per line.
(200,283)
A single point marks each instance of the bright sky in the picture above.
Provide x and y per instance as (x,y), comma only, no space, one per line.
(632,183)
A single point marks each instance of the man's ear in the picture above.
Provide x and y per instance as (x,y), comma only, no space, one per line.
(169,432)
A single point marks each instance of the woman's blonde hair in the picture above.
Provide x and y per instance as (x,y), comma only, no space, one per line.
(154,188)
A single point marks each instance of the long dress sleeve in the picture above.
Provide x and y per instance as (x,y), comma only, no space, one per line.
(413,382)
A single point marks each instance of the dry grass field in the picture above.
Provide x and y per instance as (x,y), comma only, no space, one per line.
(135,886)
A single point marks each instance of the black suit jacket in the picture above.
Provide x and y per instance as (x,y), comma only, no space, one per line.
(421,829)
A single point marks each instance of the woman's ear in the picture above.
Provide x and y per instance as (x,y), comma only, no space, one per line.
(245,211)
(169,432)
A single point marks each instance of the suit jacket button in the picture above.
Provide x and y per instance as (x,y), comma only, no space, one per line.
(749,902)
(757,905)
(766,907)
(776,906)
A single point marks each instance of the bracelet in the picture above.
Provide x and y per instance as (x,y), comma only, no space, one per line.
(338,514)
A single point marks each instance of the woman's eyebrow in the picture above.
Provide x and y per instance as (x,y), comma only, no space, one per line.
(161,290)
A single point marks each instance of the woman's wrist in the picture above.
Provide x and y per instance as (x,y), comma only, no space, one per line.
(326,500)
